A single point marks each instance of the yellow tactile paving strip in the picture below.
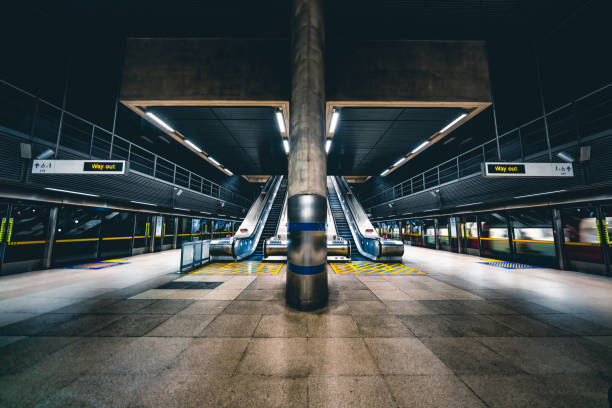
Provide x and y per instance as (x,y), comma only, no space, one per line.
(373,268)
(240,268)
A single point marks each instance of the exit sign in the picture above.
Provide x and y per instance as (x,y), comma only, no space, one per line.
(78,167)
(501,169)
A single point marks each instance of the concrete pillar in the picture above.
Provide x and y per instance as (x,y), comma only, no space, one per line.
(307,204)
(48,251)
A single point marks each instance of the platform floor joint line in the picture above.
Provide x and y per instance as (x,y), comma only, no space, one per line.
(373,268)
(240,268)
(99,265)
(507,264)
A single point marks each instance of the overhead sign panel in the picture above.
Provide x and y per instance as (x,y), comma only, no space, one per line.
(499,169)
(78,167)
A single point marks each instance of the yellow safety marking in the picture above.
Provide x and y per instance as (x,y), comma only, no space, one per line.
(10,231)
(373,268)
(2,229)
(533,240)
(183,235)
(26,242)
(169,235)
(114,260)
(114,238)
(583,243)
(77,240)
(240,268)
(494,239)
(139,236)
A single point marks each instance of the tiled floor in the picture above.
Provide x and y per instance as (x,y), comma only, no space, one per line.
(463,334)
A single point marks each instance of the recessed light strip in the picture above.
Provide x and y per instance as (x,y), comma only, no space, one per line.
(140,202)
(286,146)
(160,122)
(71,192)
(280,120)
(333,123)
(328,143)
(193,146)
(419,147)
(539,194)
(457,119)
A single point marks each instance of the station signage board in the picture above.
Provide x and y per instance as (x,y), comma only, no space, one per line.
(78,167)
(503,169)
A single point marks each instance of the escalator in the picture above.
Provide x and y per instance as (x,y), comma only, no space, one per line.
(271,225)
(342,227)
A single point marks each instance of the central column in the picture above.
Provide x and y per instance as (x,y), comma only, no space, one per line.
(307,203)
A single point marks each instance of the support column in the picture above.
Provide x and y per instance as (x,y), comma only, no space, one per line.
(48,252)
(307,204)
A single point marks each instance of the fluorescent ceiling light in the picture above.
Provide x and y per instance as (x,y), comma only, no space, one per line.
(140,202)
(334,121)
(400,161)
(457,119)
(539,194)
(465,205)
(286,145)
(384,173)
(565,156)
(71,192)
(205,212)
(327,145)
(213,160)
(280,120)
(228,171)
(419,147)
(182,209)
(193,146)
(160,122)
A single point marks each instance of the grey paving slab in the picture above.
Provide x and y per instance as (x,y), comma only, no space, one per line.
(525,307)
(432,391)
(381,326)
(331,326)
(366,307)
(347,391)
(213,307)
(262,294)
(230,325)
(254,307)
(408,307)
(133,325)
(467,356)
(285,357)
(210,356)
(340,356)
(455,326)
(528,326)
(209,391)
(538,391)
(18,356)
(282,325)
(5,340)
(357,294)
(574,324)
(125,306)
(35,325)
(406,356)
(82,325)
(167,306)
(29,387)
(182,326)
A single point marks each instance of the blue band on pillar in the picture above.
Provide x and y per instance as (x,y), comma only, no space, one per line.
(306,226)
(307,270)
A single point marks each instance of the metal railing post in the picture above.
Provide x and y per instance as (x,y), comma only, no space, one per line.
(93,130)
(174,175)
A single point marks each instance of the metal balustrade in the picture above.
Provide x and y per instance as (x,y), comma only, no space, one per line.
(586,118)
(69,136)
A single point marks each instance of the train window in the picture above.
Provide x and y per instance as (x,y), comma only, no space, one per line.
(416,232)
(443,237)
(470,235)
(117,230)
(534,240)
(582,242)
(429,236)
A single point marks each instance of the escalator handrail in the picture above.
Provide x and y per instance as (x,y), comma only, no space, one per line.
(359,216)
(253,218)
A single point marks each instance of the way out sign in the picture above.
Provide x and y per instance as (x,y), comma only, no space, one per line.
(497,169)
(78,167)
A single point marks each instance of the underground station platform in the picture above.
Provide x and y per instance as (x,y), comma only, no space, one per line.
(306,203)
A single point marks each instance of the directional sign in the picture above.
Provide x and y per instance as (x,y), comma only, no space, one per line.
(78,167)
(500,169)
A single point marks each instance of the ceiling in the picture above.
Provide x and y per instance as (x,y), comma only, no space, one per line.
(368,140)
(245,140)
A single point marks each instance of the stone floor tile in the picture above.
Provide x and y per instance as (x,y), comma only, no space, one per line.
(405,356)
(282,325)
(381,326)
(346,391)
(133,325)
(230,325)
(286,357)
(432,391)
(212,307)
(331,326)
(182,326)
(210,356)
(366,307)
(340,356)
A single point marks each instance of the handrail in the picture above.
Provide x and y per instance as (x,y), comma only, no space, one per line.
(423,181)
(111,147)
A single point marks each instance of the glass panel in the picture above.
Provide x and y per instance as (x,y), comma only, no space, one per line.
(26,233)
(77,234)
(184,230)
(169,225)
(429,233)
(443,237)
(582,241)
(534,240)
(141,231)
(117,229)
(416,232)
(494,235)
(470,232)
